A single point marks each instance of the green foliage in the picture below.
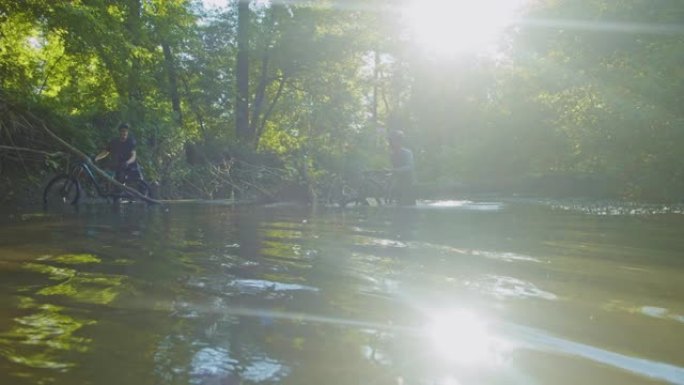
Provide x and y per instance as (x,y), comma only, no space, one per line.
(585,89)
(611,86)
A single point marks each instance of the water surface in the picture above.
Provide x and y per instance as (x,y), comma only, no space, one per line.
(451,292)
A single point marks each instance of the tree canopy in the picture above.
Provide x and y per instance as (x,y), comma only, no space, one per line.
(577,97)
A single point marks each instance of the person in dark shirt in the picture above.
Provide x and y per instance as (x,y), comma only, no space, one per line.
(402,169)
(123,160)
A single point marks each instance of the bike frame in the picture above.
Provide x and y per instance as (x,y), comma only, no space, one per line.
(82,168)
(82,171)
(380,185)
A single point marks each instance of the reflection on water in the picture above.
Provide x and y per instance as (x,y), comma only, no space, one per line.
(463,205)
(39,338)
(259,286)
(659,312)
(211,363)
(538,340)
(44,333)
(463,337)
(510,287)
(622,209)
(448,292)
(647,310)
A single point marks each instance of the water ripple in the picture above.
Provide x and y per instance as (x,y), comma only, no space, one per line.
(618,209)
(509,287)
(265,370)
(463,205)
(540,340)
(255,286)
(210,362)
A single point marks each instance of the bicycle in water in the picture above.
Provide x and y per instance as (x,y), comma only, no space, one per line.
(372,186)
(68,188)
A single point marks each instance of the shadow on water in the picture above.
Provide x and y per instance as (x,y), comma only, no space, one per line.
(447,292)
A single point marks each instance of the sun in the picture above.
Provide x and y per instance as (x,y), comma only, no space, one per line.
(458,26)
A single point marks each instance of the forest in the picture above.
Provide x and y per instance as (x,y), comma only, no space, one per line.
(569,98)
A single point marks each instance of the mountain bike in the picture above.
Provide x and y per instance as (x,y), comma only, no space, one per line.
(374,185)
(68,188)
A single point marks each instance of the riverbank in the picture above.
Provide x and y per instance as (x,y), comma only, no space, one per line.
(22,192)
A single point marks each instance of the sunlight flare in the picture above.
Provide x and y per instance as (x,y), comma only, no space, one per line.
(454,26)
(461,337)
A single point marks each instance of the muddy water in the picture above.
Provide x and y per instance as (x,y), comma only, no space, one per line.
(451,292)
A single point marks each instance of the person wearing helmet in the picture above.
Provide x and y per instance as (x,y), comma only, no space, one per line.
(123,160)
(402,169)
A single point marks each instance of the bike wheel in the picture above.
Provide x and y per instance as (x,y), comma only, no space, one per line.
(347,195)
(140,186)
(61,190)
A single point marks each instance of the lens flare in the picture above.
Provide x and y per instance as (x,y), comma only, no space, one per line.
(456,26)
(461,337)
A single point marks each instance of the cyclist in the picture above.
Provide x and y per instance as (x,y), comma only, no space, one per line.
(402,169)
(123,160)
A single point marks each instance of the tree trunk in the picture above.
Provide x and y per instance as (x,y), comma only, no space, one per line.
(259,98)
(260,129)
(134,28)
(376,80)
(242,128)
(173,83)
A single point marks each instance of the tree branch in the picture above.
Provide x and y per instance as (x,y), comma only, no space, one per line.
(92,165)
(31,150)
